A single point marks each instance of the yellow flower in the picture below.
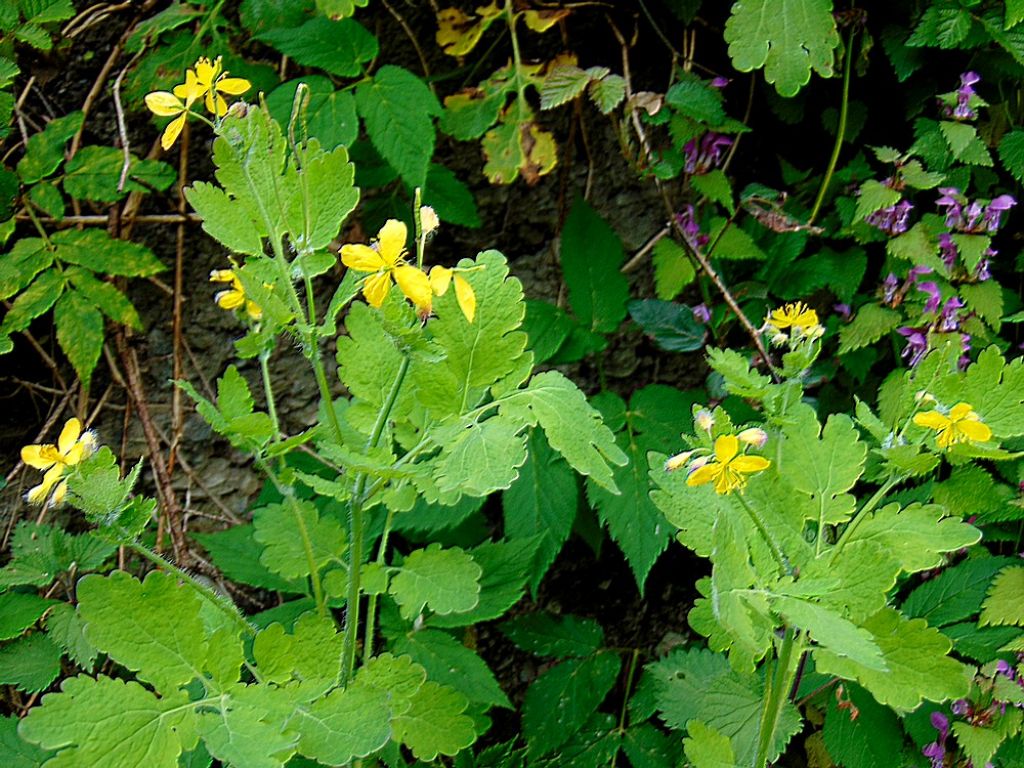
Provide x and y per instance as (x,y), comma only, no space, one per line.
(442,277)
(798,316)
(167,104)
(72,446)
(729,469)
(386,261)
(212,81)
(234,297)
(962,425)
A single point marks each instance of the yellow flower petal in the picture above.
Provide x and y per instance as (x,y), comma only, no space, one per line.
(704,474)
(215,104)
(164,104)
(975,430)
(931,419)
(222,275)
(466,297)
(376,287)
(172,131)
(233,86)
(191,89)
(726,448)
(229,299)
(207,71)
(415,285)
(391,241)
(60,492)
(749,464)
(361,258)
(69,435)
(961,411)
(440,279)
(41,492)
(37,457)
(254,310)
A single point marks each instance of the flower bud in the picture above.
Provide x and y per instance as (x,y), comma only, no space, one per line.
(923,396)
(704,420)
(755,437)
(428,219)
(697,464)
(675,462)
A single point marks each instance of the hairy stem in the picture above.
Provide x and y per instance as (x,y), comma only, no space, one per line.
(775,698)
(785,569)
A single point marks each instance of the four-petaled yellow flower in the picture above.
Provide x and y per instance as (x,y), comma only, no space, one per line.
(960,426)
(234,297)
(72,446)
(799,318)
(206,81)
(213,81)
(729,469)
(386,261)
(442,277)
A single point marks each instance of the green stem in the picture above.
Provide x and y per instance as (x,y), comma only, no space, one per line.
(517,61)
(776,697)
(840,131)
(785,569)
(868,507)
(191,580)
(371,603)
(355,560)
(268,392)
(630,674)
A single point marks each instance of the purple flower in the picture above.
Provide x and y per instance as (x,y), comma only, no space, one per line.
(706,154)
(687,221)
(972,215)
(936,751)
(892,220)
(934,295)
(843,310)
(960,707)
(982,272)
(965,347)
(951,199)
(947,250)
(963,110)
(917,344)
(720,82)
(889,287)
(1003,668)
(995,209)
(949,318)
(916,272)
(701,313)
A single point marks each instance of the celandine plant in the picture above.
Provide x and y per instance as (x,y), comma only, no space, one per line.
(811,530)
(441,398)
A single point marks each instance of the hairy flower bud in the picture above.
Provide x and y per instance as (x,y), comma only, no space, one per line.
(755,437)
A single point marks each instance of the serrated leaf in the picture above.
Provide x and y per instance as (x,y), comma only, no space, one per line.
(248,729)
(956,593)
(296,538)
(521,148)
(829,629)
(40,552)
(482,458)
(671,326)
(19,611)
(65,628)
(105,297)
(339,47)
(221,220)
(871,323)
(824,467)
(434,723)
(869,740)
(397,109)
(787,38)
(28,257)
(874,195)
(17,752)
(559,702)
(311,654)
(36,299)
(1003,604)
(44,196)
(316,216)
(30,663)
(452,664)
(993,387)
(111,722)
(95,172)
(696,99)
(79,332)
(563,83)
(571,425)
(740,378)
(1011,153)
(708,748)
(451,199)
(559,636)
(445,580)
(916,660)
(673,269)
(235,552)
(607,93)
(731,242)
(346,723)
(94,249)
(152,627)
(45,150)
(330,115)
(917,536)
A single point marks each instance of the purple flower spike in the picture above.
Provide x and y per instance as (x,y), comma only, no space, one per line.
(893,220)
(706,154)
(995,210)
(940,723)
(916,272)
(934,295)
(949,319)
(917,345)
(947,250)
(687,220)
(889,287)
(952,201)
(973,216)
(701,313)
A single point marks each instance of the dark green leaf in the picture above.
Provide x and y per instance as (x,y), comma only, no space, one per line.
(338,47)
(672,326)
(79,332)
(591,256)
